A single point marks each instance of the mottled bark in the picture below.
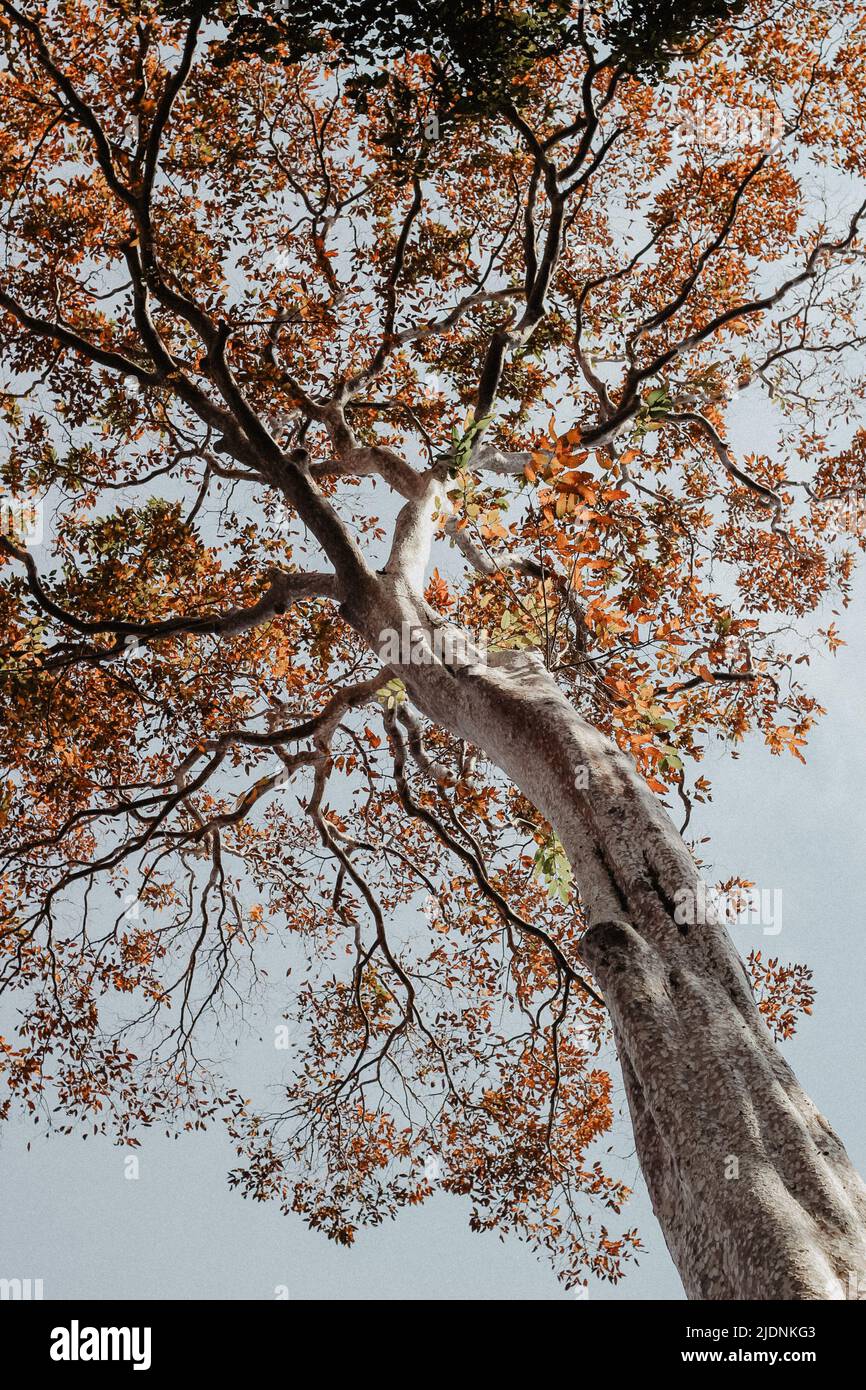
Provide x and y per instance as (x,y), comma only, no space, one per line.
(754,1192)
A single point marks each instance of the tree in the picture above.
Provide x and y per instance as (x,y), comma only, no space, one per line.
(396,553)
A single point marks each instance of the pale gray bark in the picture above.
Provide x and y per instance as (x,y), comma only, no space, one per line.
(710,1095)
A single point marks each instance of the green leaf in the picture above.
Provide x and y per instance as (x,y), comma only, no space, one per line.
(552,867)
(392,694)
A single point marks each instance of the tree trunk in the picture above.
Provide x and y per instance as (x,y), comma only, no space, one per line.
(753,1190)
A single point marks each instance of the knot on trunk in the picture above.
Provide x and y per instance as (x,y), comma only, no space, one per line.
(609,944)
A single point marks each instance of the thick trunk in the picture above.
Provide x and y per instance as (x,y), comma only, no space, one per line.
(754,1192)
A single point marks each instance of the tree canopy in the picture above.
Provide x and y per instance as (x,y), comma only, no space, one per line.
(346,303)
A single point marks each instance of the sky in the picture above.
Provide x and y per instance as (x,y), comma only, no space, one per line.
(73,1214)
